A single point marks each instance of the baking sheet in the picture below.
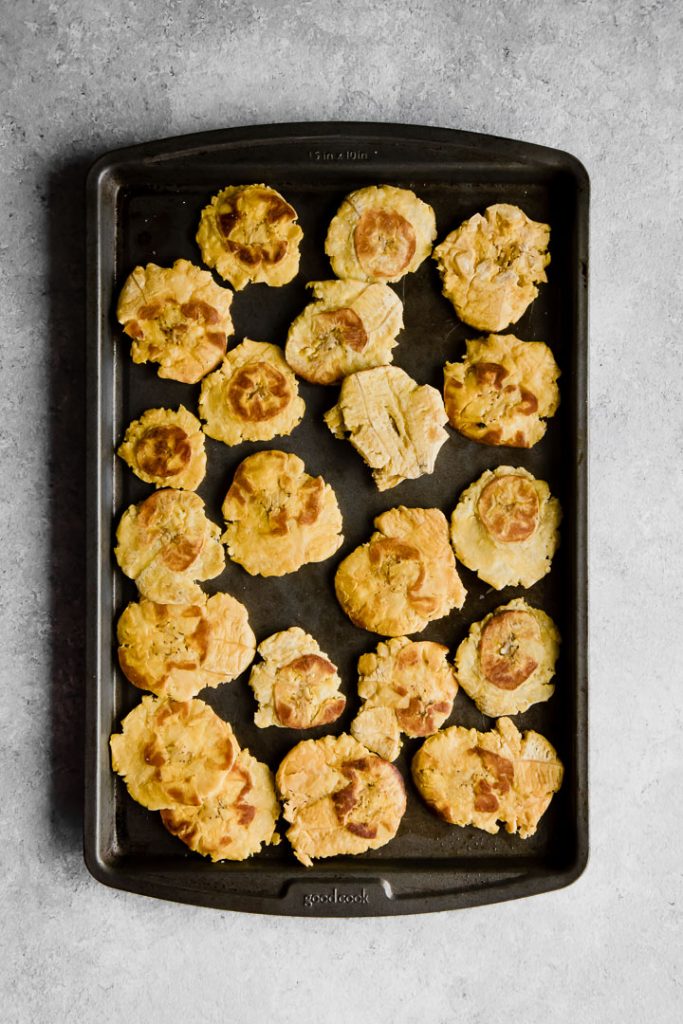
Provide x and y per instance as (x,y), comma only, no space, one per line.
(144,205)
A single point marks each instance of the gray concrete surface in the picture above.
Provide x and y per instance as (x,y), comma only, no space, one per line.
(599,78)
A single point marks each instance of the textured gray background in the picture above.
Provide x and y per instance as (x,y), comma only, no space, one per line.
(601,79)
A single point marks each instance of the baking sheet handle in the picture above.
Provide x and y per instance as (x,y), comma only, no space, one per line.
(352,897)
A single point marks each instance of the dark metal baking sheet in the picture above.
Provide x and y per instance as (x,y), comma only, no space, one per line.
(144,205)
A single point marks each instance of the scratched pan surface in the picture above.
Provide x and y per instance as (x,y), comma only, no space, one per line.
(144,205)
